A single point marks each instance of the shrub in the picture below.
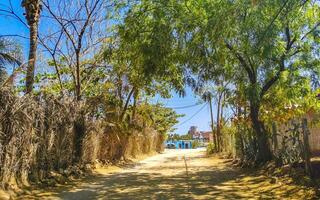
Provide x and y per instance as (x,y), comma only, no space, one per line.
(195,144)
(210,148)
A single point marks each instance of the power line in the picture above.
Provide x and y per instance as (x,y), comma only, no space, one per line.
(192,115)
(183,107)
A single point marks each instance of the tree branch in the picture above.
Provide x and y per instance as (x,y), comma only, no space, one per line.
(311,30)
(14,35)
(274,79)
(243,63)
(127,103)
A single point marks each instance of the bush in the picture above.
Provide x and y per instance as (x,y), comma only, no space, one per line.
(195,144)
(37,137)
(210,149)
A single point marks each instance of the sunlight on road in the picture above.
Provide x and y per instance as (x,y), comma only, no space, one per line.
(164,176)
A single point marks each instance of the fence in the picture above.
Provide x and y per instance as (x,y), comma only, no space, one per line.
(290,142)
(314,140)
(37,138)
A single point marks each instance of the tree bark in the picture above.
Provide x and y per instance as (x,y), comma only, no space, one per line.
(32,8)
(58,73)
(78,82)
(263,149)
(306,148)
(126,104)
(218,122)
(135,100)
(239,143)
(32,57)
(212,126)
(221,118)
(79,134)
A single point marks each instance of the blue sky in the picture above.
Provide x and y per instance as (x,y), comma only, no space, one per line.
(9,26)
(194,116)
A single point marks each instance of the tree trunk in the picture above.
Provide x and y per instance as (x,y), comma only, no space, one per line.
(221,124)
(135,100)
(306,148)
(239,143)
(58,73)
(32,10)
(212,127)
(218,123)
(78,85)
(126,104)
(263,149)
(32,57)
(79,134)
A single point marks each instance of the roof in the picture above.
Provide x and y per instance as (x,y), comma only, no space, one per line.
(206,134)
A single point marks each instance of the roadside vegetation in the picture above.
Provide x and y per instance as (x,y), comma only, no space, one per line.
(86,91)
(86,100)
(257,60)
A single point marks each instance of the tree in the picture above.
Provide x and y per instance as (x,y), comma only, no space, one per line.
(213,37)
(10,54)
(32,13)
(266,47)
(141,60)
(159,117)
(77,35)
(261,47)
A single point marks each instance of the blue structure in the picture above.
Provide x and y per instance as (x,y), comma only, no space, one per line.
(180,144)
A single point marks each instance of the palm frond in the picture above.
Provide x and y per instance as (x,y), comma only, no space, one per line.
(6,58)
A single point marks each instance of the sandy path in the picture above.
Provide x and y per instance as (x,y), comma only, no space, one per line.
(164,177)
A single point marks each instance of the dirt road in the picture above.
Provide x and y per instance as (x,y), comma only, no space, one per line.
(164,176)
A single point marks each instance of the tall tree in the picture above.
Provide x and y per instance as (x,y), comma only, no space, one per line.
(80,27)
(262,40)
(262,47)
(142,57)
(32,13)
(266,46)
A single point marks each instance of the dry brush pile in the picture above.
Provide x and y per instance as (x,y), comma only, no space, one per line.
(38,137)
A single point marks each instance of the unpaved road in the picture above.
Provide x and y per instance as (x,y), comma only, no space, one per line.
(164,176)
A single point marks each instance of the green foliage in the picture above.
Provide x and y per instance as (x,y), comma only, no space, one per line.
(211,149)
(176,137)
(142,52)
(261,56)
(195,144)
(186,137)
(160,118)
(291,102)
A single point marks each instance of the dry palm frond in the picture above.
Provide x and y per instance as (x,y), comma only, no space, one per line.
(37,136)
(6,58)
(10,79)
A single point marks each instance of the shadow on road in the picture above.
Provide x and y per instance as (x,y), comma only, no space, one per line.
(209,178)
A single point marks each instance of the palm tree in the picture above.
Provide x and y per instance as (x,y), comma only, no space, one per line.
(32,13)
(6,57)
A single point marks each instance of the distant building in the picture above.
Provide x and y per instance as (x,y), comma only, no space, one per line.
(206,136)
(193,130)
(201,136)
(179,144)
(194,133)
